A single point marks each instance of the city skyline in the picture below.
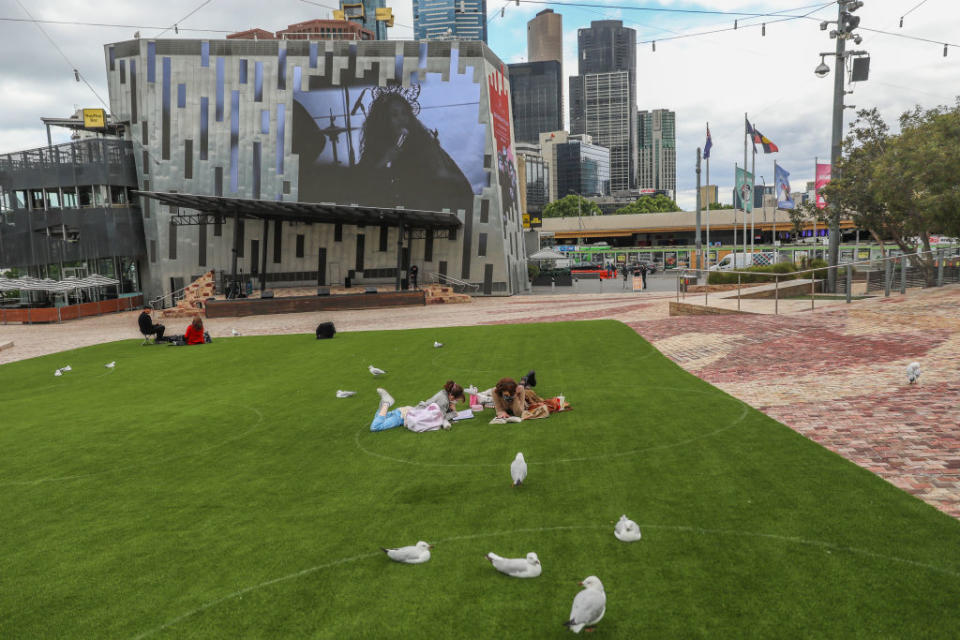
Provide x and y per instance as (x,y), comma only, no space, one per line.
(696,77)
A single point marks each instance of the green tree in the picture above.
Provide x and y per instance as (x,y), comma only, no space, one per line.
(716,206)
(570,206)
(902,187)
(649,204)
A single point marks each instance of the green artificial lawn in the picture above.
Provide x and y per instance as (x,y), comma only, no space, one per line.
(223,491)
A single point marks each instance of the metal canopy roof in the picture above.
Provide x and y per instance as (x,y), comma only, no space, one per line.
(307,211)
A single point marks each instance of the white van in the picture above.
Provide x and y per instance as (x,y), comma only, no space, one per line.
(735,261)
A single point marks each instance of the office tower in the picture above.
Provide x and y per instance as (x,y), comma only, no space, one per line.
(372,15)
(657,141)
(550,142)
(601,106)
(535,94)
(603,96)
(709,194)
(545,37)
(450,19)
(582,168)
(534,177)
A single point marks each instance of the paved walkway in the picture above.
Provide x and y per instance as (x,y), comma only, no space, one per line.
(835,375)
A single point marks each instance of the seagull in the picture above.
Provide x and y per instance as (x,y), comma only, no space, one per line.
(68,368)
(234,332)
(627,530)
(375,371)
(111,365)
(588,606)
(518,470)
(913,372)
(415,554)
(437,345)
(345,394)
(528,567)
(58,373)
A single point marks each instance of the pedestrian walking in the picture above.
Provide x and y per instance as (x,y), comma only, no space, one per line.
(625,272)
(643,274)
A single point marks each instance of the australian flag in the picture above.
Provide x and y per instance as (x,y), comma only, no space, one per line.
(706,147)
(759,138)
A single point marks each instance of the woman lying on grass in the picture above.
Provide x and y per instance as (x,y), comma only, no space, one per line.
(429,415)
(515,402)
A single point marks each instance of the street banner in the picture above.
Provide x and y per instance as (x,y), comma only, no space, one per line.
(745,188)
(782,178)
(822,179)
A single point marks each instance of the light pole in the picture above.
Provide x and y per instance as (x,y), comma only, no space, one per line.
(846,22)
(763,204)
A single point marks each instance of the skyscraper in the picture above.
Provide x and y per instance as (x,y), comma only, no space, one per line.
(601,107)
(450,19)
(657,140)
(603,97)
(364,13)
(545,37)
(537,99)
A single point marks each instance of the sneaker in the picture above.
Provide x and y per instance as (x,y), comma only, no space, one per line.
(385,397)
(446,425)
(530,380)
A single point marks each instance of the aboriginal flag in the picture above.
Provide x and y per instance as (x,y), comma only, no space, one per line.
(759,138)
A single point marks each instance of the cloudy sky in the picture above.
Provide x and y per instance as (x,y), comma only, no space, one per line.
(715,77)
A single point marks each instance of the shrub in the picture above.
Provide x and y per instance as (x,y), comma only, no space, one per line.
(533,270)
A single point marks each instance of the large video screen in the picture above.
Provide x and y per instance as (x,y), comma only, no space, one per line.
(420,147)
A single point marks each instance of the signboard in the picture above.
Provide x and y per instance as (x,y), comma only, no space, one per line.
(94,119)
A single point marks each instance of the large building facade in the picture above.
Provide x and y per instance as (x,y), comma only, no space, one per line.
(288,127)
(657,141)
(603,97)
(601,107)
(582,169)
(536,93)
(545,37)
(450,19)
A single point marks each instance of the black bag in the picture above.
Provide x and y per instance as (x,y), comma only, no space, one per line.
(325,330)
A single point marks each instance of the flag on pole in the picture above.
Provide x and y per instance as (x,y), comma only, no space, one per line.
(759,138)
(822,178)
(745,189)
(708,145)
(782,179)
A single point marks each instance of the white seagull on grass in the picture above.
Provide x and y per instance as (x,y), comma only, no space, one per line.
(528,567)
(588,606)
(627,530)
(437,345)
(111,365)
(375,371)
(414,554)
(518,470)
(58,373)
(345,394)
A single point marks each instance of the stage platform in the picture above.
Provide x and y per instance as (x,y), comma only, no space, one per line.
(301,304)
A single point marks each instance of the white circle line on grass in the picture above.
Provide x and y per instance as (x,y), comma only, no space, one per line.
(7,483)
(679,528)
(607,456)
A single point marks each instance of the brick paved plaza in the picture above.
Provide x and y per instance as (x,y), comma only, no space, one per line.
(835,375)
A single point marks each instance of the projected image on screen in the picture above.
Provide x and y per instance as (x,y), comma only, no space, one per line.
(420,147)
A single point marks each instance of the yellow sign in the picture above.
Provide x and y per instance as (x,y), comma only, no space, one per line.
(385,14)
(94,119)
(338,14)
(526,221)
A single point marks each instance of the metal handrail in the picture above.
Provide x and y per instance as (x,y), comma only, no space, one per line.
(453,280)
(887,262)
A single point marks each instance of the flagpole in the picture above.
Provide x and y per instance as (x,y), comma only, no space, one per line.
(735,212)
(743,201)
(816,194)
(708,204)
(776,207)
(753,190)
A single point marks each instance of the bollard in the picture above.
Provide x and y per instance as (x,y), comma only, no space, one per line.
(887,275)
(849,283)
(939,267)
(776,294)
(903,276)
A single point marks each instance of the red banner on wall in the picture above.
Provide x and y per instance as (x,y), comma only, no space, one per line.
(506,163)
(822,179)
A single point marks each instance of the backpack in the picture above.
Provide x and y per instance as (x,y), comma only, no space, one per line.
(325,330)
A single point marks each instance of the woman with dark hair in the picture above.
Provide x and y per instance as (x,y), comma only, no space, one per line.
(194,333)
(405,161)
(431,414)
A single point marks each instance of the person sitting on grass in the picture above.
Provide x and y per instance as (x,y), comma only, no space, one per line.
(194,333)
(514,402)
(429,415)
(147,327)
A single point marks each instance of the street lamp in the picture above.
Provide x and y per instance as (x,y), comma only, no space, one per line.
(822,69)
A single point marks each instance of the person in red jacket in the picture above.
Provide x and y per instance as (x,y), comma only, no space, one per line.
(194,333)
